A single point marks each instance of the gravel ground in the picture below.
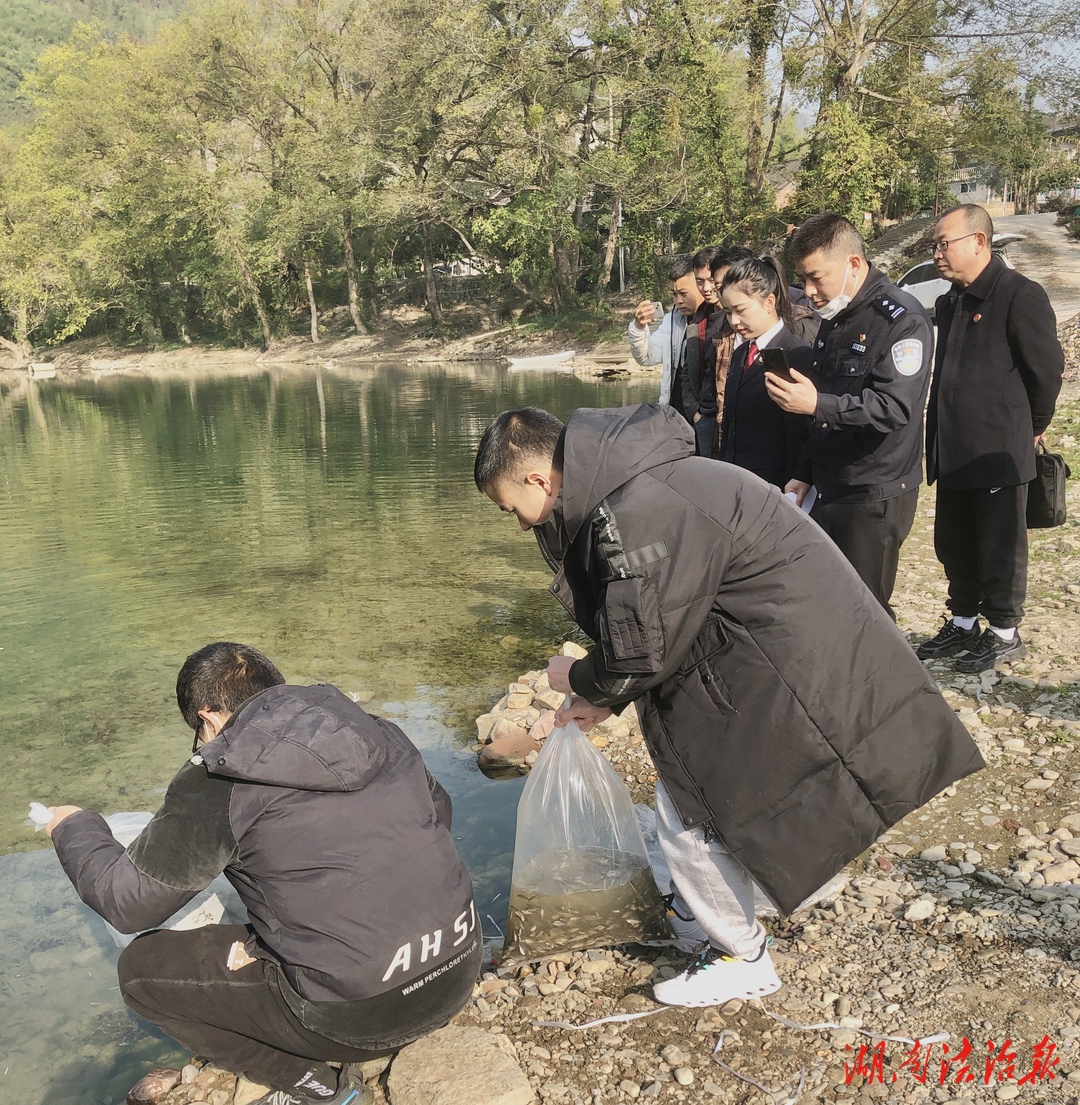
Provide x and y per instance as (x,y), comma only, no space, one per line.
(963,919)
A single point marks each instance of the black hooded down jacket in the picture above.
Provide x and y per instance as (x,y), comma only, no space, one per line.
(783,709)
(328,825)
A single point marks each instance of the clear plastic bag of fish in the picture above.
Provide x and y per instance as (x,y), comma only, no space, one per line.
(581,870)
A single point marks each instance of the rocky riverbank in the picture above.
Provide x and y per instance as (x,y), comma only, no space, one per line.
(510,734)
(963,920)
(471,333)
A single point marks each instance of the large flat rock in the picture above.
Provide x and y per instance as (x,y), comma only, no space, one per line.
(459,1064)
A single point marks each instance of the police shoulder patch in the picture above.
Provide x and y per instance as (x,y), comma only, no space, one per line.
(889,307)
(907,356)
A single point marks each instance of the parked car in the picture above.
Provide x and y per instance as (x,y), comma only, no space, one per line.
(923,282)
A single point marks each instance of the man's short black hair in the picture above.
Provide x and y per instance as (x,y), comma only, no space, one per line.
(683,265)
(829,233)
(976,219)
(703,259)
(726,256)
(222,677)
(514,440)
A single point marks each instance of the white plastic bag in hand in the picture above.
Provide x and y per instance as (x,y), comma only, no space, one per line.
(41,815)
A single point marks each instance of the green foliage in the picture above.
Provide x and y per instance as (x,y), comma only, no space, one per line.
(1001,126)
(198,184)
(849,170)
(27,27)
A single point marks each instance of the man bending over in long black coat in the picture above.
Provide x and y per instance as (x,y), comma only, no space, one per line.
(788,720)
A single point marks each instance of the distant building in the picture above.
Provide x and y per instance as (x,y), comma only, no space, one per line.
(982,184)
(783,181)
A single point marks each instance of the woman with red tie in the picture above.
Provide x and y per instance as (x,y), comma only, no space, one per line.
(755,433)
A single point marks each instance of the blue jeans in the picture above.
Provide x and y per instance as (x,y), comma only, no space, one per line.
(705,434)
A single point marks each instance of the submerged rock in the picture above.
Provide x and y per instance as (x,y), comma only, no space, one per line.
(529,705)
(152,1088)
(508,749)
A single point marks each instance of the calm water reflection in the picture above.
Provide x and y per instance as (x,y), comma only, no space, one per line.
(327,517)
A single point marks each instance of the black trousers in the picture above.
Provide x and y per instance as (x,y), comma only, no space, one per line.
(870,536)
(980,537)
(240,1019)
(676,399)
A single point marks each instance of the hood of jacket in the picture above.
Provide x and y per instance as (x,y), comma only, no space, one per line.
(607,447)
(306,738)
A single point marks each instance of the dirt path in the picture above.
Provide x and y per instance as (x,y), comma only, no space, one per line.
(1049,256)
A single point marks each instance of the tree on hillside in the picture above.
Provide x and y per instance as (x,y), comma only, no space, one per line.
(999,125)
(48,266)
(29,27)
(41,294)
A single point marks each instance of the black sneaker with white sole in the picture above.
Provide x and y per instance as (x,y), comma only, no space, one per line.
(350,1092)
(991,650)
(950,640)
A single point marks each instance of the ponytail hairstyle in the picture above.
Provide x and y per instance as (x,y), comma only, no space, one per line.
(761,277)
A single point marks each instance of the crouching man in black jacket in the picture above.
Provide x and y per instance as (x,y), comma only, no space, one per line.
(363,934)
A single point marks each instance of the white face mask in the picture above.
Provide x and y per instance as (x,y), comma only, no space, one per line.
(836,304)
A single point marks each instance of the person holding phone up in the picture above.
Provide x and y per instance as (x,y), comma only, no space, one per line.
(755,433)
(667,345)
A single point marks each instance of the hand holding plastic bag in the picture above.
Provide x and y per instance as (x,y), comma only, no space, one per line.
(40,815)
(581,871)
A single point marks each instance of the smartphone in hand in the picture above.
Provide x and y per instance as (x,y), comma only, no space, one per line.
(776,362)
(658,311)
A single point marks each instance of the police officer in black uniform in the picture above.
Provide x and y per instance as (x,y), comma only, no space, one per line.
(871,375)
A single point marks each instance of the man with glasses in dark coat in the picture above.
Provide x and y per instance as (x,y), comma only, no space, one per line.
(996,381)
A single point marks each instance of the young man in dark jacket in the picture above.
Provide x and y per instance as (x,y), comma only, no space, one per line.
(998,374)
(709,595)
(701,327)
(362,934)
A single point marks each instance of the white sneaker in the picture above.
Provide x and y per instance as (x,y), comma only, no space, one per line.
(714,978)
(686,934)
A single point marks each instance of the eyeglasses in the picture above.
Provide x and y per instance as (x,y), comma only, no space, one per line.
(943,246)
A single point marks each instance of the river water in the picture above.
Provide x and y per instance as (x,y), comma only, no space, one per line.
(327,516)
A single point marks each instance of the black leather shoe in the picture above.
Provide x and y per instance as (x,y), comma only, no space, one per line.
(991,650)
(950,640)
